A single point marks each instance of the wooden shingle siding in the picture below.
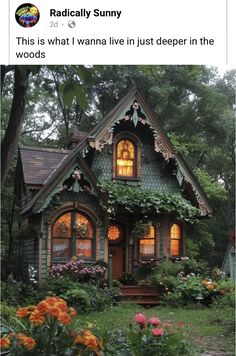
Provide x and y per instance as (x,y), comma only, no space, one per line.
(30,254)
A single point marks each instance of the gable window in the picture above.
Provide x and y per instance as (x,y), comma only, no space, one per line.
(147,244)
(175,240)
(73,235)
(125,164)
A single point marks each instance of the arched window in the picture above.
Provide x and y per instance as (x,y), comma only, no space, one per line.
(125,159)
(147,244)
(175,240)
(73,235)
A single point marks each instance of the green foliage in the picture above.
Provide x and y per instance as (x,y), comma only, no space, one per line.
(226,300)
(140,229)
(191,288)
(87,298)
(8,314)
(165,276)
(215,191)
(18,293)
(134,199)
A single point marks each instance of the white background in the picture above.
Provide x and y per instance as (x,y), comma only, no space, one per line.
(146,19)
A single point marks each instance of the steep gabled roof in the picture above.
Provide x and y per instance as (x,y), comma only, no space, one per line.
(57,175)
(102,134)
(38,163)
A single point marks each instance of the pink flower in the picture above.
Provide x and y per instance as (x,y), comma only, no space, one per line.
(157,332)
(154,321)
(140,319)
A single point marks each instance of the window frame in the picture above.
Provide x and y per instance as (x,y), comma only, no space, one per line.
(180,240)
(127,136)
(73,238)
(147,257)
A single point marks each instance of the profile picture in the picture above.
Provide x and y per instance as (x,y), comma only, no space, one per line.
(27,15)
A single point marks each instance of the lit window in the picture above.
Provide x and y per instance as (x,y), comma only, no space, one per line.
(175,237)
(113,233)
(72,236)
(62,234)
(147,244)
(125,159)
(84,235)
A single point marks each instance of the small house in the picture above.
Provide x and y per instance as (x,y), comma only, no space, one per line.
(120,189)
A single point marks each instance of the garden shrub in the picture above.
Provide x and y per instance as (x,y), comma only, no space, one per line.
(59,285)
(86,298)
(224,301)
(165,276)
(18,293)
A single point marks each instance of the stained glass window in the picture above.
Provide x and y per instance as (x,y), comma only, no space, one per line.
(175,237)
(73,235)
(125,159)
(84,235)
(147,244)
(113,233)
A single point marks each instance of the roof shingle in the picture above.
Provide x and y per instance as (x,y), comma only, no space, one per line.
(38,163)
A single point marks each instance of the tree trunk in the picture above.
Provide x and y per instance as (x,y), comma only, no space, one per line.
(11,138)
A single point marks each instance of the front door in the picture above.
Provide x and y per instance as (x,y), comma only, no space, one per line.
(116,249)
(117,261)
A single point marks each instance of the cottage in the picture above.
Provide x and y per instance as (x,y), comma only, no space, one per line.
(90,200)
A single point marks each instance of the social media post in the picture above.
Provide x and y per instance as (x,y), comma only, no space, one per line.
(170,32)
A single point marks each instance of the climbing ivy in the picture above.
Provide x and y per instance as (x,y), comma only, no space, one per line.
(136,199)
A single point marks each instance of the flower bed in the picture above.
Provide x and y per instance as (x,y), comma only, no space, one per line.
(45,329)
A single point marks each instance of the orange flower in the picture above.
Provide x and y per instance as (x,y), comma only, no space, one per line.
(210,286)
(89,340)
(64,318)
(28,342)
(62,306)
(73,312)
(5,342)
(54,311)
(51,300)
(22,312)
(42,307)
(92,342)
(36,318)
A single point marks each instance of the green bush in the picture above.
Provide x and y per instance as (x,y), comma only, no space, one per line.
(225,301)
(165,276)
(18,293)
(86,298)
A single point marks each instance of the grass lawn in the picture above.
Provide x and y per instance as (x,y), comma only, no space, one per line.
(210,329)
